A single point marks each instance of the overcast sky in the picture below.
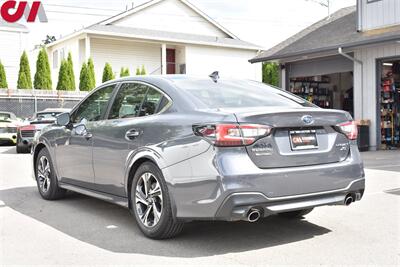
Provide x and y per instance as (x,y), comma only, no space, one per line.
(263,22)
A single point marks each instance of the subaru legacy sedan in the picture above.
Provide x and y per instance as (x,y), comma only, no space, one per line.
(175,149)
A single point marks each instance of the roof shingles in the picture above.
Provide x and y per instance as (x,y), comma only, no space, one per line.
(338,31)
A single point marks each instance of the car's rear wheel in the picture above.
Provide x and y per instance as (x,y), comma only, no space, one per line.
(45,177)
(151,204)
(297,214)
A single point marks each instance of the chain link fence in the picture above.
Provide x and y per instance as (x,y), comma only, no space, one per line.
(25,103)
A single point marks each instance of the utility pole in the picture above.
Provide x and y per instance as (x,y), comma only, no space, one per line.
(324,3)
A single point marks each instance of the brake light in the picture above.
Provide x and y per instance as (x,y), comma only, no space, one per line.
(349,129)
(232,134)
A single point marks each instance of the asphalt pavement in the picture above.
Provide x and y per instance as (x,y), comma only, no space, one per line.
(86,231)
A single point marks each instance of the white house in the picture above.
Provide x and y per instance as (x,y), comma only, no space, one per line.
(349,61)
(13,41)
(164,36)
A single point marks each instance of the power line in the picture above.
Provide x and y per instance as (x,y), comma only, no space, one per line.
(78,13)
(80,7)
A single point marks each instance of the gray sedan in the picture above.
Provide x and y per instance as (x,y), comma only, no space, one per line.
(175,149)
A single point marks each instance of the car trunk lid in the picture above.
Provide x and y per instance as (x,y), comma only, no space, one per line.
(300,136)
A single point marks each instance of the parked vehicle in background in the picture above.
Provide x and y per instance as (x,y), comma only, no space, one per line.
(26,133)
(175,149)
(8,128)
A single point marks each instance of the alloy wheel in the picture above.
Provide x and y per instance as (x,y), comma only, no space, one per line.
(43,174)
(149,199)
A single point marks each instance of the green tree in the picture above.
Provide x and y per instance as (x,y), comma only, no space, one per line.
(138,72)
(270,73)
(42,78)
(108,73)
(84,80)
(63,79)
(70,71)
(92,76)
(3,78)
(143,71)
(24,75)
(125,72)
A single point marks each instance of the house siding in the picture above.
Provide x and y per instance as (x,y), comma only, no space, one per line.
(71,46)
(366,98)
(172,16)
(11,47)
(127,54)
(379,14)
(202,60)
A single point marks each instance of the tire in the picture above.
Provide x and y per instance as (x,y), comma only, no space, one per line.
(46,179)
(297,214)
(22,149)
(152,211)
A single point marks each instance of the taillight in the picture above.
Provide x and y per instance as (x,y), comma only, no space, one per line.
(232,134)
(349,129)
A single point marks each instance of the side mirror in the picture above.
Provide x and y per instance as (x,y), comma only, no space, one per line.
(63,119)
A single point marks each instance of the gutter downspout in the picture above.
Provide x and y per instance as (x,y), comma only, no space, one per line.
(340,51)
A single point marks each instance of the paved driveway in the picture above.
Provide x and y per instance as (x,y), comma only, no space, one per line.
(82,230)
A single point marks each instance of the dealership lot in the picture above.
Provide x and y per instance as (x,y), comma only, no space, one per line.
(82,230)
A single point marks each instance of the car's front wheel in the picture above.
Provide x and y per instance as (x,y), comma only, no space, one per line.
(45,177)
(151,204)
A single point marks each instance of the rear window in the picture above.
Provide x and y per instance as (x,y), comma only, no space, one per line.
(230,94)
(47,116)
(5,116)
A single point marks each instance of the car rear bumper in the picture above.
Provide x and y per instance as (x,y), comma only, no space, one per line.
(238,205)
(225,184)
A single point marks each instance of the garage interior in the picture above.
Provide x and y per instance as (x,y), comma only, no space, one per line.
(326,91)
(389,92)
(327,82)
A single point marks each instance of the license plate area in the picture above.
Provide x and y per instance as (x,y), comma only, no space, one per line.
(303,139)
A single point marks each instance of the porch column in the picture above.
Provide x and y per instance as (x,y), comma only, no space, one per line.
(87,48)
(163,59)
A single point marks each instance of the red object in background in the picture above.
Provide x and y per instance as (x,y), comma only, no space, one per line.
(13,11)
(171,61)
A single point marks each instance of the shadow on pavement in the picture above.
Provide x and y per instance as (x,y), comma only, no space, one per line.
(93,221)
(8,150)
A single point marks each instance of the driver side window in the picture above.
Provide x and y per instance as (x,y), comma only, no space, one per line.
(94,107)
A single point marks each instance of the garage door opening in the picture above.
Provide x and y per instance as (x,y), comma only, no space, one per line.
(331,91)
(389,103)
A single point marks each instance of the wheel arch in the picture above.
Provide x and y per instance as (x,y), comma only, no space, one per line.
(38,148)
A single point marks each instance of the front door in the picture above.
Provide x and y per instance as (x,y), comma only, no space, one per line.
(171,61)
(74,154)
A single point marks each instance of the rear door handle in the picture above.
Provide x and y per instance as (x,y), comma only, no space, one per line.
(132,134)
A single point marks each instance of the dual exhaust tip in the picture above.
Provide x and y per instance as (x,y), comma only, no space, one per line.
(348,199)
(253,215)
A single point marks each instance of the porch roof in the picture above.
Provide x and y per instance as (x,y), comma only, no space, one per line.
(161,36)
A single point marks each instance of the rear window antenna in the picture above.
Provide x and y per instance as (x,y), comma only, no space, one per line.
(214,76)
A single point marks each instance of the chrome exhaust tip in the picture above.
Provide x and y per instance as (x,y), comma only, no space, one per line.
(253,215)
(348,200)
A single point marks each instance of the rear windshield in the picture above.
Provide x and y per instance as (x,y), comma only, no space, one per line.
(230,94)
(47,116)
(5,116)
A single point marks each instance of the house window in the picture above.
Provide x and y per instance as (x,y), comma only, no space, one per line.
(62,54)
(55,59)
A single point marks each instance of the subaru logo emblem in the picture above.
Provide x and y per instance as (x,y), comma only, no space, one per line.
(307,119)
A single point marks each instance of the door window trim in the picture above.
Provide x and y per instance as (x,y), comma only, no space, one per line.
(116,89)
(111,103)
